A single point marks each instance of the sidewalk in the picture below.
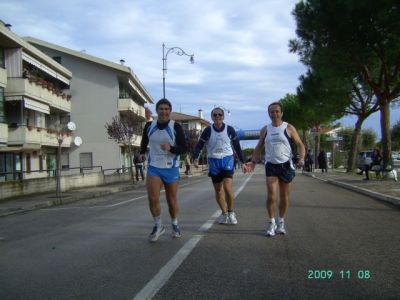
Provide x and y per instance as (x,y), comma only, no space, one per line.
(382,189)
(31,202)
(386,190)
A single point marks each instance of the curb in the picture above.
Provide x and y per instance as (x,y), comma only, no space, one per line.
(66,199)
(391,199)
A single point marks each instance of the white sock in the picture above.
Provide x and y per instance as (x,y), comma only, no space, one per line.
(157,221)
(281,220)
(272,220)
(174,221)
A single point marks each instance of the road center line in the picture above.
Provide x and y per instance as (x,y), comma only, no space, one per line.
(158,281)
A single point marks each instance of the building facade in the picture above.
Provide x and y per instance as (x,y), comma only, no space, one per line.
(34,101)
(100,90)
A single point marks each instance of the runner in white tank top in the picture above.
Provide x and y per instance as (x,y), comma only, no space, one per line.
(219,139)
(167,141)
(279,169)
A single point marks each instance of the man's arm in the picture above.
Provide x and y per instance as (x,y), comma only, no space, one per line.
(300,146)
(257,151)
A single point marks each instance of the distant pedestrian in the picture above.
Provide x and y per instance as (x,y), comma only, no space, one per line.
(187,164)
(322,161)
(308,161)
(138,166)
(276,137)
(376,161)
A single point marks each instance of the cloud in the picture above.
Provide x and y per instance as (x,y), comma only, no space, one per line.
(241,54)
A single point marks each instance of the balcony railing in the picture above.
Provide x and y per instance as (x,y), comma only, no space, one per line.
(125,104)
(36,136)
(38,90)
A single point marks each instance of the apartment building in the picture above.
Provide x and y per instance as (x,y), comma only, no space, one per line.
(100,90)
(34,101)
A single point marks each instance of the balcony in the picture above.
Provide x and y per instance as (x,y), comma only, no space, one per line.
(3,134)
(35,138)
(125,104)
(3,77)
(39,91)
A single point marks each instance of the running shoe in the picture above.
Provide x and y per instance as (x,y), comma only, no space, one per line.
(156,233)
(223,218)
(271,229)
(232,218)
(176,232)
(281,228)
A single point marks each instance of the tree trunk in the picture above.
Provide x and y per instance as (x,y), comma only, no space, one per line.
(355,142)
(317,147)
(385,132)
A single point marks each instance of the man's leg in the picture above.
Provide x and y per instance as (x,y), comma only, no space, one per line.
(154,184)
(137,173)
(170,193)
(284,190)
(272,187)
(219,196)
(229,197)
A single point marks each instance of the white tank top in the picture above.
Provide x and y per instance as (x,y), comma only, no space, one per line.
(157,157)
(277,146)
(219,144)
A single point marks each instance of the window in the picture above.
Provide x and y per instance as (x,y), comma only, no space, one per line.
(2,60)
(86,160)
(41,163)
(57,59)
(2,115)
(28,162)
(64,161)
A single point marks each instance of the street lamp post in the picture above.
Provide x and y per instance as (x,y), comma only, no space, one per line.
(177,50)
(62,130)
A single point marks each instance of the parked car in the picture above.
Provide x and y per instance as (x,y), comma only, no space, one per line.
(364,158)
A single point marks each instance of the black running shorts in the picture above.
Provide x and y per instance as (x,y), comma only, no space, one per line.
(283,171)
(220,176)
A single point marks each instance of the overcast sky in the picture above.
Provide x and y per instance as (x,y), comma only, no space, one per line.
(241,52)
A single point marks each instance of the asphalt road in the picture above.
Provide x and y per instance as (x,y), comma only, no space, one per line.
(340,245)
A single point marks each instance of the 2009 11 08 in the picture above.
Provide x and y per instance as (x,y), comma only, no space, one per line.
(342,274)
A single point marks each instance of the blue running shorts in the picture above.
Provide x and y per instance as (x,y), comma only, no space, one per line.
(218,169)
(167,175)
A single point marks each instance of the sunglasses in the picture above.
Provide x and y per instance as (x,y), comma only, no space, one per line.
(217,115)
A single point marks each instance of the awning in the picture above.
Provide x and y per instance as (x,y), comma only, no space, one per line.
(35,105)
(43,67)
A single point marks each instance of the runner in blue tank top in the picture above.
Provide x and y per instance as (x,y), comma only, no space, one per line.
(279,168)
(219,139)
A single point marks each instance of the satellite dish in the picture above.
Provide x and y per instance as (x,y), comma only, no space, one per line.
(78,141)
(71,126)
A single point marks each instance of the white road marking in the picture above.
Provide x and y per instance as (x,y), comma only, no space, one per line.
(158,281)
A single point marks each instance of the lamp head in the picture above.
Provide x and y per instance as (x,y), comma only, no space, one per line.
(192,59)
